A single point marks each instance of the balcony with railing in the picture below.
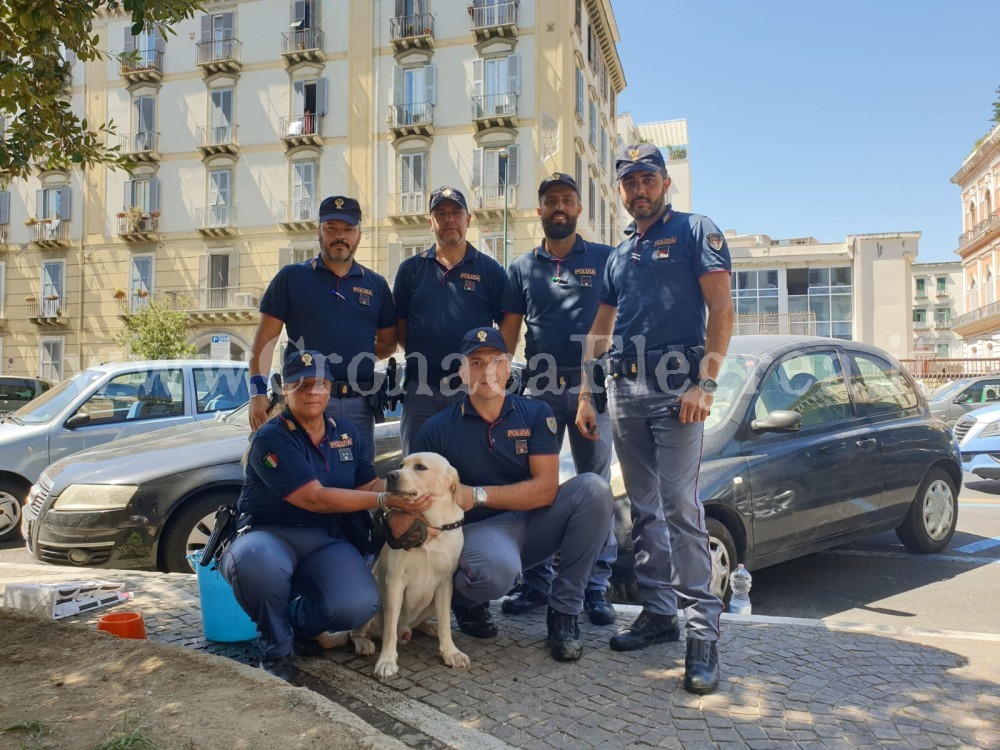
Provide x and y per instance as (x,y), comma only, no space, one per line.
(980,234)
(304,45)
(216,305)
(49,310)
(492,20)
(494,111)
(142,66)
(983,320)
(216,221)
(301,130)
(3,235)
(143,145)
(49,233)
(220,56)
(216,139)
(492,201)
(408,209)
(412,32)
(137,225)
(300,215)
(413,118)
(130,304)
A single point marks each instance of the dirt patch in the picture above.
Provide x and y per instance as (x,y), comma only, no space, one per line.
(70,686)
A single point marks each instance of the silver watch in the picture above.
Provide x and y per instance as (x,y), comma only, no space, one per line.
(708,385)
(478,497)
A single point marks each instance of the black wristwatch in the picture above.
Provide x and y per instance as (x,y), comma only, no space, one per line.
(708,385)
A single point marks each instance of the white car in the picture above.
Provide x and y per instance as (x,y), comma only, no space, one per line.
(101,404)
(978,435)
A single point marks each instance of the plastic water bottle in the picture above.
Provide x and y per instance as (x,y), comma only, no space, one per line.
(740,581)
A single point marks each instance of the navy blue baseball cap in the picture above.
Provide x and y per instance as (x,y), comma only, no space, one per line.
(557,178)
(644,157)
(481,338)
(305,364)
(448,194)
(340,207)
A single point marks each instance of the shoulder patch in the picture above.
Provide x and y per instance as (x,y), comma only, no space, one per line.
(270,460)
(715,241)
(550,422)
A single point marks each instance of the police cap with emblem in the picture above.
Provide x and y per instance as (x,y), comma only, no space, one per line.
(481,338)
(340,208)
(448,194)
(557,178)
(305,364)
(641,157)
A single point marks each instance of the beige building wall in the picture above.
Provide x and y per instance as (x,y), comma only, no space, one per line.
(858,289)
(979,247)
(938,300)
(216,263)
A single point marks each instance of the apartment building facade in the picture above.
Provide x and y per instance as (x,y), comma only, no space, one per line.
(938,299)
(242,121)
(858,289)
(979,246)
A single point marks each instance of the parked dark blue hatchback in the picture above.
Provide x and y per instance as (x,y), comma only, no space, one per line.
(813,442)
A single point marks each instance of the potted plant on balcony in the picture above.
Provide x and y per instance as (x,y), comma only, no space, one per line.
(141,293)
(30,298)
(136,218)
(30,221)
(120,294)
(52,297)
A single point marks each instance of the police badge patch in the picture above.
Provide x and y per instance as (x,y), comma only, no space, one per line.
(521,446)
(269,460)
(550,422)
(715,241)
(345,454)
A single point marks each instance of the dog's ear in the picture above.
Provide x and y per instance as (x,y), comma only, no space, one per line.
(455,483)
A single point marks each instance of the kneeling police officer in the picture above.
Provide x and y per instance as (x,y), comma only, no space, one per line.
(310,483)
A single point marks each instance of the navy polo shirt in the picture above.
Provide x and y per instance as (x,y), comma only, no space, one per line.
(283,458)
(490,453)
(556,311)
(440,305)
(332,314)
(652,279)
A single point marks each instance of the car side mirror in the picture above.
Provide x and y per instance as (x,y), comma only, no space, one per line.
(77,420)
(779,420)
(960,399)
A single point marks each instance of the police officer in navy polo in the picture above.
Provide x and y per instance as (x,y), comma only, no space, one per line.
(517,514)
(335,305)
(310,483)
(440,294)
(553,290)
(657,287)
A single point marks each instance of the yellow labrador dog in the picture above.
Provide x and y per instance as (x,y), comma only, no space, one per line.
(416,584)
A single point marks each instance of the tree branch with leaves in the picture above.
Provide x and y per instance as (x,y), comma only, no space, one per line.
(37,42)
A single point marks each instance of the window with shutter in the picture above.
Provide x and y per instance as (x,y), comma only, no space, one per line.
(4,207)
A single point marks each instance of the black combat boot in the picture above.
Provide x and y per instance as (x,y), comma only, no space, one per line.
(525,598)
(279,666)
(597,607)
(564,636)
(701,667)
(475,620)
(647,629)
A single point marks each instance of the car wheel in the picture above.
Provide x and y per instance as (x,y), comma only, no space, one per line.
(930,523)
(723,550)
(188,529)
(12,496)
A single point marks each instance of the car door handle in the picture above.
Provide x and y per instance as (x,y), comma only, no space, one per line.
(867,444)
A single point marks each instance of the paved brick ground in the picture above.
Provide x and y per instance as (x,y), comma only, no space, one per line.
(784,685)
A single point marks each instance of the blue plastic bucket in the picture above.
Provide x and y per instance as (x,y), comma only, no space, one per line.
(221,616)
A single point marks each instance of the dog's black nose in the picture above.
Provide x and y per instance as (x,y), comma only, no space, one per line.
(392,476)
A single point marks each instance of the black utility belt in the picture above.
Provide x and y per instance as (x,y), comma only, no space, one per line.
(344,389)
(564,378)
(680,364)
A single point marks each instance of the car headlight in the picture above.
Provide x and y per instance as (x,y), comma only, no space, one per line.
(79,497)
(990,430)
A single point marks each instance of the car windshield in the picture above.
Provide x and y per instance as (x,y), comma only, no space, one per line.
(948,390)
(53,401)
(736,368)
(240,415)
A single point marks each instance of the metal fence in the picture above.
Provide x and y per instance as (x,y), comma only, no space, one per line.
(933,368)
(796,324)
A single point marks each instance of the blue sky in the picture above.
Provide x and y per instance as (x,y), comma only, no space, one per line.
(810,117)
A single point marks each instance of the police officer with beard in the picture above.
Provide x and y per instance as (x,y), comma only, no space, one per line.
(656,290)
(553,290)
(334,305)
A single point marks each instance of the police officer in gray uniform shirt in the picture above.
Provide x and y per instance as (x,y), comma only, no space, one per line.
(656,288)
(553,290)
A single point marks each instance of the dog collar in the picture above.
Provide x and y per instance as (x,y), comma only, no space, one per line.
(450,526)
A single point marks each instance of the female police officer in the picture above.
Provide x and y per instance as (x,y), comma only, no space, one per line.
(310,483)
